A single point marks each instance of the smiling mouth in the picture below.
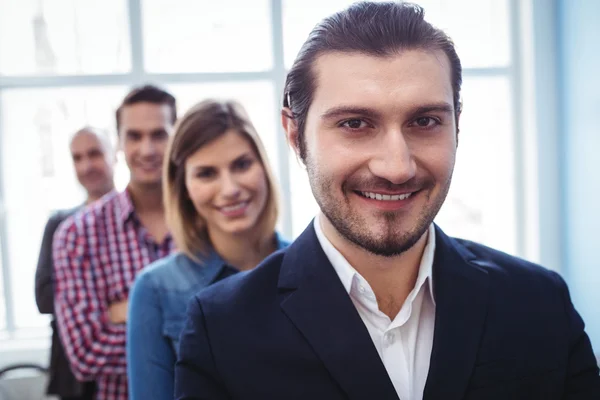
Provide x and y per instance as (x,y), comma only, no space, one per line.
(385,197)
(92,176)
(234,207)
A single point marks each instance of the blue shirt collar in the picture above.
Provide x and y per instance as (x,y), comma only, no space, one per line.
(213,265)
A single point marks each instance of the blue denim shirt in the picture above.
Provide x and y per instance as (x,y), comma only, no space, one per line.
(157,311)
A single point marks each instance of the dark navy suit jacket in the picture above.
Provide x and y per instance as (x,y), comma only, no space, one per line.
(505,329)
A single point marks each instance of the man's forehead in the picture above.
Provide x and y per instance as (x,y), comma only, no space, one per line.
(415,75)
(145,112)
(85,139)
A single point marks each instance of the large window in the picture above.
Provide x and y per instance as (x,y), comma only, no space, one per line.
(68,63)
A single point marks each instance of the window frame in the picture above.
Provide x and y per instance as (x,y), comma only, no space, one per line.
(518,18)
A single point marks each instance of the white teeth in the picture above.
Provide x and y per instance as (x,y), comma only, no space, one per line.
(235,207)
(386,197)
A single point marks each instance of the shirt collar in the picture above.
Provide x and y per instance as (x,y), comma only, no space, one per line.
(125,206)
(126,212)
(213,265)
(281,242)
(348,274)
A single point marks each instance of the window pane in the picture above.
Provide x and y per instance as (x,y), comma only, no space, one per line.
(481,202)
(38,175)
(207,36)
(300,17)
(63,37)
(479,28)
(2,300)
(256,97)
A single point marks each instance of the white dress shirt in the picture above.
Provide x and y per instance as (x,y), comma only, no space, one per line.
(404,343)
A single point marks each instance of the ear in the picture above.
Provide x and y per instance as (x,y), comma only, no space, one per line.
(291,129)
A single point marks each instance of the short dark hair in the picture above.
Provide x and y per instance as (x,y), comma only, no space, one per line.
(148,94)
(379,29)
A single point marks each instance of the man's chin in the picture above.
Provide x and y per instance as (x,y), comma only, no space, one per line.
(384,235)
(146,180)
(391,246)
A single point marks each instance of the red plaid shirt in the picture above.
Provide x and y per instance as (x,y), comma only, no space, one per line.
(97,254)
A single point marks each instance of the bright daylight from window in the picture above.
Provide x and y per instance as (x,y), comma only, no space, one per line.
(67,63)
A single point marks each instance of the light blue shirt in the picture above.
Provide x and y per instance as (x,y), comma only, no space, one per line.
(157,311)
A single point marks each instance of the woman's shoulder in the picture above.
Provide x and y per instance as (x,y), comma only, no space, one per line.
(168,271)
(282,242)
(177,272)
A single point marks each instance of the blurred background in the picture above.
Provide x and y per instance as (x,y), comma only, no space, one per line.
(526,181)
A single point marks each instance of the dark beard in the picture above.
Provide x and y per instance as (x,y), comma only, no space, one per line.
(389,242)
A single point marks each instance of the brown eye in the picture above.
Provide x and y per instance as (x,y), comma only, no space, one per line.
(160,135)
(425,122)
(133,136)
(243,164)
(354,123)
(206,173)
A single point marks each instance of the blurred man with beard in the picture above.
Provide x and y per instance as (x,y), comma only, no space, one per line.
(93,160)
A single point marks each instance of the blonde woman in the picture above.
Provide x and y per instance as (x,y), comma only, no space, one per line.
(221,205)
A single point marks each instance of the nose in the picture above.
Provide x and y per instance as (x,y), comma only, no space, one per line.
(230,187)
(86,165)
(148,147)
(392,159)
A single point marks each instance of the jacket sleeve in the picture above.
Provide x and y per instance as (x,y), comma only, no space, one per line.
(583,379)
(93,345)
(150,355)
(44,286)
(196,376)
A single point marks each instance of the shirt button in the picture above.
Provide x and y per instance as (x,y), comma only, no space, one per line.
(361,289)
(389,338)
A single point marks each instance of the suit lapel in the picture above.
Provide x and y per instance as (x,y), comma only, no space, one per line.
(461,296)
(316,302)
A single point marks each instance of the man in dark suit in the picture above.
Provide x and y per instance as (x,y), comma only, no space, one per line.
(374,301)
(93,159)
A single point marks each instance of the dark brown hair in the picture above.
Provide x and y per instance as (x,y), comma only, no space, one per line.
(148,94)
(378,29)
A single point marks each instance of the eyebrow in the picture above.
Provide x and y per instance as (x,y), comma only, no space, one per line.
(201,168)
(243,155)
(246,154)
(340,111)
(337,112)
(437,107)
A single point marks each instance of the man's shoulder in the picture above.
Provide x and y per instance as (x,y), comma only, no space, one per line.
(504,268)
(58,217)
(106,205)
(246,289)
(94,215)
(61,215)
(96,212)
